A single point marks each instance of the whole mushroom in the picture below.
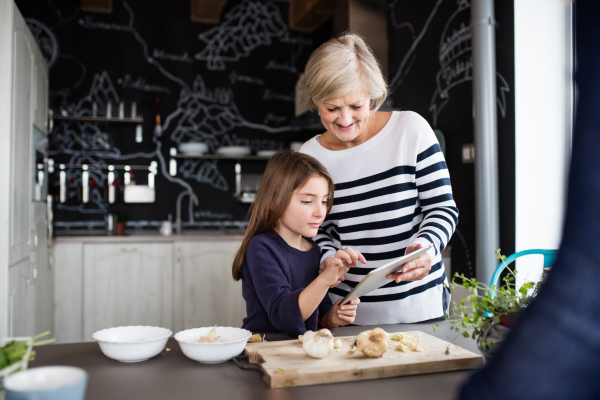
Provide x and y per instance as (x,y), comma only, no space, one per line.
(373,343)
(318,344)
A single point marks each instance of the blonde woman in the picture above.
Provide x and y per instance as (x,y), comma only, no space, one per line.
(392,187)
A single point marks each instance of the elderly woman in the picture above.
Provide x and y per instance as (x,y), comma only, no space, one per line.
(392,187)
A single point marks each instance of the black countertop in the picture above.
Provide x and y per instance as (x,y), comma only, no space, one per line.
(171,375)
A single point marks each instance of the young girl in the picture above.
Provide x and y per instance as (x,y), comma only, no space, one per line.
(278,262)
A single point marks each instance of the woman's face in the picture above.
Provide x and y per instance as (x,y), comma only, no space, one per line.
(346,117)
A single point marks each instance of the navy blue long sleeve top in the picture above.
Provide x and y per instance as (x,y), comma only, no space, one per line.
(274,275)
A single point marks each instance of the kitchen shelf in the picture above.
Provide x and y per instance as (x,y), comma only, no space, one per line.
(106,166)
(86,118)
(221,157)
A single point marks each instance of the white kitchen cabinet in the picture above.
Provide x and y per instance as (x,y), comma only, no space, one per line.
(43,277)
(21,299)
(23,103)
(127,284)
(205,292)
(67,261)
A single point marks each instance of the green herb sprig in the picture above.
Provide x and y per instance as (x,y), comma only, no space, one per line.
(468,317)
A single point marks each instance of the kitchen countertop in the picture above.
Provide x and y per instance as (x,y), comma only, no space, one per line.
(171,375)
(98,236)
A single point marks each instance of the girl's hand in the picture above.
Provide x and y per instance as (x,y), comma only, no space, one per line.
(348,256)
(342,315)
(414,270)
(332,271)
(326,264)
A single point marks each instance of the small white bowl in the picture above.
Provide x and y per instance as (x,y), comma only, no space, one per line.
(213,353)
(51,382)
(132,343)
(266,153)
(234,151)
(193,148)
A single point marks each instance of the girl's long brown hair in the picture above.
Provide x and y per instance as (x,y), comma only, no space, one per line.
(286,171)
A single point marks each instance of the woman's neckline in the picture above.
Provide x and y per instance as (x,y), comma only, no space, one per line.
(383,128)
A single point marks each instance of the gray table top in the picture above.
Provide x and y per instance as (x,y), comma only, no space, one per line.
(171,375)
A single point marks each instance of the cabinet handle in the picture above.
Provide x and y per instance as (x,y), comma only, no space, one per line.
(178,254)
(128,250)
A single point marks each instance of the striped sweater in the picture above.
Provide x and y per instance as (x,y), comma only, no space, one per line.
(390,192)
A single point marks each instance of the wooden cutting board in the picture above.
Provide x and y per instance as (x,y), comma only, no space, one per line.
(285,363)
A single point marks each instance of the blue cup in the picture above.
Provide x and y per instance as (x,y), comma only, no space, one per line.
(47,383)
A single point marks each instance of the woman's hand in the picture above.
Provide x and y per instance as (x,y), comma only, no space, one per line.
(332,271)
(342,315)
(414,270)
(348,256)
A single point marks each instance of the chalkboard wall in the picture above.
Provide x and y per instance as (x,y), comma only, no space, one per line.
(233,83)
(230,83)
(431,73)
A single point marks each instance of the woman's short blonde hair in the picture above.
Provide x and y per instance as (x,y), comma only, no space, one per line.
(338,66)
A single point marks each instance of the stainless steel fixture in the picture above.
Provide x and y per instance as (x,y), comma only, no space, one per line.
(178,217)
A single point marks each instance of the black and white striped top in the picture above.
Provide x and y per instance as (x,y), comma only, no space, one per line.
(390,192)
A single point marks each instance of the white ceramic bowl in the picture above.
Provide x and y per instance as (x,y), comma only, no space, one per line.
(132,343)
(266,153)
(213,353)
(193,148)
(234,151)
(51,382)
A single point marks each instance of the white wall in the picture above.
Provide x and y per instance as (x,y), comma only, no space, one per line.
(543,93)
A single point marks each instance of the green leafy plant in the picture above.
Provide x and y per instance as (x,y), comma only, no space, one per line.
(469,317)
(16,354)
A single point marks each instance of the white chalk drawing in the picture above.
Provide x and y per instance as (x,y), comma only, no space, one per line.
(45,40)
(88,22)
(201,114)
(287,67)
(212,215)
(247,26)
(101,92)
(203,171)
(269,94)
(160,54)
(82,138)
(234,77)
(275,119)
(455,56)
(456,62)
(401,73)
(205,115)
(295,40)
(128,82)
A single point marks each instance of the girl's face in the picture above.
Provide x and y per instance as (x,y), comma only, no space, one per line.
(306,210)
(346,117)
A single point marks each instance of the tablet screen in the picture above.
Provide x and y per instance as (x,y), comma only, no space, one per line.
(377,278)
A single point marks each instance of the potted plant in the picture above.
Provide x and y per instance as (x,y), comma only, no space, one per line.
(122,219)
(488,313)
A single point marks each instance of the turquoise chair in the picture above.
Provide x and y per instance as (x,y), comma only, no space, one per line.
(549,258)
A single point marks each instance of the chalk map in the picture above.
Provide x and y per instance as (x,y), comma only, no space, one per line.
(455,55)
(202,112)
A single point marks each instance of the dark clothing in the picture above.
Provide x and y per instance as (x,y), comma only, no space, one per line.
(553,353)
(274,275)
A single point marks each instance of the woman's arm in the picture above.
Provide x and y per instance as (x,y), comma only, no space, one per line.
(438,208)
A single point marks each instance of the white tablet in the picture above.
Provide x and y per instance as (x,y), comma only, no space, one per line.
(377,278)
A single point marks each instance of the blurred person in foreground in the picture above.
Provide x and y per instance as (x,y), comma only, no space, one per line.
(554,350)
